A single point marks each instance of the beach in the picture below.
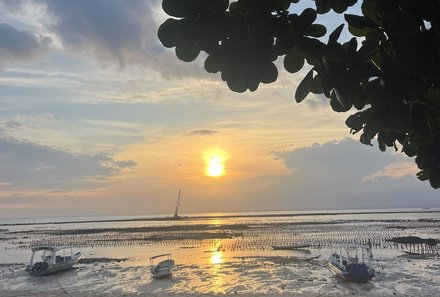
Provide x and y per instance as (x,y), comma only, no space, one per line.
(225,256)
(93,294)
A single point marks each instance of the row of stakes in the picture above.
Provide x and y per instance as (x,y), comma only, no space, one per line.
(252,240)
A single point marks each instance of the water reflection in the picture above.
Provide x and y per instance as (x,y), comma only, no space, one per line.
(216,270)
(215,222)
(216,258)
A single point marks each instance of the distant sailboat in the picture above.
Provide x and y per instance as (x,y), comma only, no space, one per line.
(176,211)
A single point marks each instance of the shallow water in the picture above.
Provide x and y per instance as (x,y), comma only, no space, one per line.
(240,260)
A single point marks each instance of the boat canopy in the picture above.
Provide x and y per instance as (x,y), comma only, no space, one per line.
(158,256)
(49,248)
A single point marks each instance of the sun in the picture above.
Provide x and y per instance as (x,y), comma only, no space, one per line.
(215,163)
(215,167)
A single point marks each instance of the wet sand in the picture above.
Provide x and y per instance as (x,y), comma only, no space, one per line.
(94,294)
(253,276)
(227,258)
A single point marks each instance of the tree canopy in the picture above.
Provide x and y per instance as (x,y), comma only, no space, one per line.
(389,71)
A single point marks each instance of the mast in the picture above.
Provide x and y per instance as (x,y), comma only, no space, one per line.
(176,212)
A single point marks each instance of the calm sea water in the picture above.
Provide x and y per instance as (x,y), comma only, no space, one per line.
(225,252)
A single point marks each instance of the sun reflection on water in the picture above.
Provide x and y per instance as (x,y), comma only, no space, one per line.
(216,260)
(215,222)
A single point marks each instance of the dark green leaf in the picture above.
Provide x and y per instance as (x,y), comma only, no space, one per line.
(326,85)
(317,30)
(211,65)
(339,6)
(323,6)
(294,60)
(282,4)
(423,175)
(352,46)
(357,121)
(335,104)
(334,36)
(233,8)
(169,33)
(369,9)
(312,49)
(382,145)
(174,8)
(304,87)
(252,85)
(359,21)
(218,5)
(360,25)
(344,96)
(237,85)
(187,51)
(360,32)
(269,73)
(308,16)
(315,87)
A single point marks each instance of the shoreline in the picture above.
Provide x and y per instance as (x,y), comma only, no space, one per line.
(190,218)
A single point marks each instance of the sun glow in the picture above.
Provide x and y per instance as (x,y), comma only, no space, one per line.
(215,163)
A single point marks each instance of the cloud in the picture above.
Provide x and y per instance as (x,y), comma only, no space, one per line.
(26,165)
(16,45)
(9,125)
(115,31)
(347,157)
(203,132)
(334,175)
(394,171)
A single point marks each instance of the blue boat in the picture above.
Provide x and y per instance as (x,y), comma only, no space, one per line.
(351,262)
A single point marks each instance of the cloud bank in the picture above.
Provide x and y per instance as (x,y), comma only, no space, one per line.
(114,30)
(109,31)
(347,174)
(26,165)
(16,45)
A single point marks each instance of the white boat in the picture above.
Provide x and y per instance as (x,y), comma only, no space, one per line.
(161,268)
(53,259)
(348,261)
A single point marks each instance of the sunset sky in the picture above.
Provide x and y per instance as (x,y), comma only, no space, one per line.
(98,118)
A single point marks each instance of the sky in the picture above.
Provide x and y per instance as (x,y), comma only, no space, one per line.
(98,118)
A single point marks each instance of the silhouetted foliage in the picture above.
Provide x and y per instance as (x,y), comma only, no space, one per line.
(392,77)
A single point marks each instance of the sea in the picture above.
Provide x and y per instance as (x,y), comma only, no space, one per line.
(228,253)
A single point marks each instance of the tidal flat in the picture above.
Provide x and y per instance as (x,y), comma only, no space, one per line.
(227,255)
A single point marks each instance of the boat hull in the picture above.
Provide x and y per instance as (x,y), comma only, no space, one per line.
(53,268)
(163,269)
(161,274)
(363,277)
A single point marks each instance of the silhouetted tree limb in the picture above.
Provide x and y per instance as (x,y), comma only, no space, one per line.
(392,77)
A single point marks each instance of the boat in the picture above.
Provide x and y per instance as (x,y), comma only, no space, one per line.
(348,262)
(291,247)
(162,268)
(53,259)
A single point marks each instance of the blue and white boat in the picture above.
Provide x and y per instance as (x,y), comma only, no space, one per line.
(351,262)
